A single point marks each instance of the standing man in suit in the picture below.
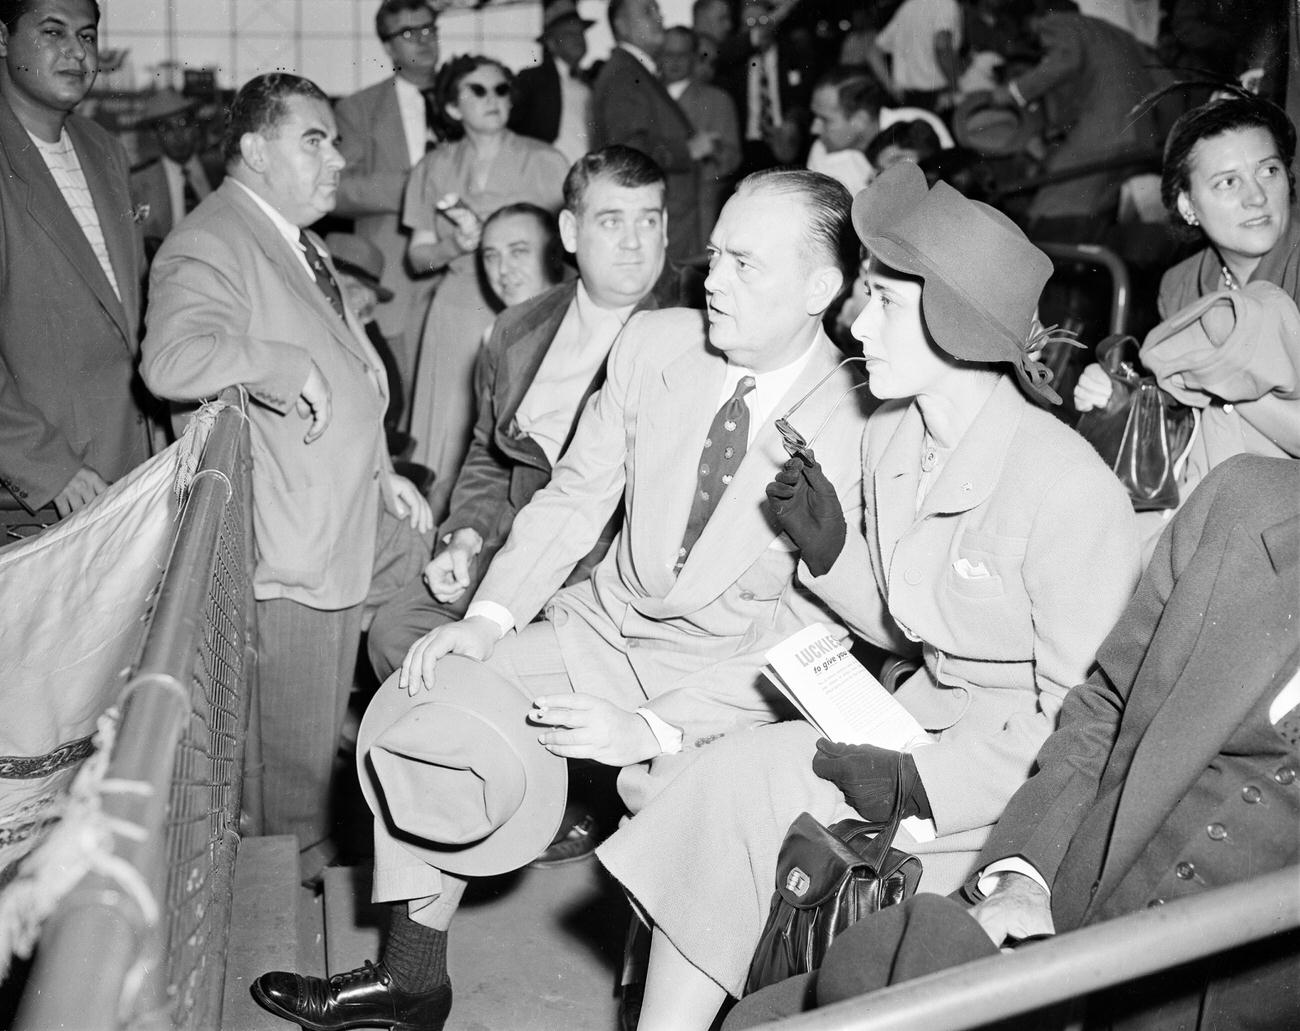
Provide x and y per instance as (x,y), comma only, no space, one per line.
(660,651)
(73,414)
(1175,769)
(553,99)
(245,296)
(631,106)
(385,130)
(169,186)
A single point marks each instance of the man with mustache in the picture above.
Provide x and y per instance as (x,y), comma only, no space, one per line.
(245,296)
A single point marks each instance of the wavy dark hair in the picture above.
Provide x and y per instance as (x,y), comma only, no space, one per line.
(260,104)
(447,86)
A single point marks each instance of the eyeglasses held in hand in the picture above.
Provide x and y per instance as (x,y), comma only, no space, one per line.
(501,89)
(795,444)
(423,33)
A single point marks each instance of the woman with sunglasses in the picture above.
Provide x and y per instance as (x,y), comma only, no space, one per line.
(996,546)
(450,194)
(1227,176)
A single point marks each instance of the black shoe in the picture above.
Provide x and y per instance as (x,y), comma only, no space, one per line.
(630,998)
(578,842)
(365,997)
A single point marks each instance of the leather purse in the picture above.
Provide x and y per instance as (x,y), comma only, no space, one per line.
(827,879)
(1142,433)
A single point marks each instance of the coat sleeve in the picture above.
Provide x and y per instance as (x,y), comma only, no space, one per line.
(200,338)
(622,115)
(564,520)
(1044,814)
(1078,574)
(364,187)
(1062,58)
(36,459)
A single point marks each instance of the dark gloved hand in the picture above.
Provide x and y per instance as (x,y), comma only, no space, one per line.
(869,778)
(808,509)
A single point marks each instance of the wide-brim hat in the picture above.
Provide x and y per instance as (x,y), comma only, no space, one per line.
(163,104)
(457,774)
(360,258)
(982,277)
(994,129)
(556,14)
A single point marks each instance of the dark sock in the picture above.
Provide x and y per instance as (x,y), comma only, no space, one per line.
(415,955)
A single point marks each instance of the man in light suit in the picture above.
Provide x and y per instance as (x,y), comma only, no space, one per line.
(385,130)
(660,651)
(1175,769)
(73,413)
(630,105)
(243,295)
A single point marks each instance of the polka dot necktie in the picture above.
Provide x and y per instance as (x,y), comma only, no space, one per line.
(1289,727)
(724,448)
(321,273)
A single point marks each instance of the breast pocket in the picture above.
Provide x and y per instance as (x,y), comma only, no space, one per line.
(985,603)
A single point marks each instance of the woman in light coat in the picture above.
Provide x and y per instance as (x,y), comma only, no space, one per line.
(996,544)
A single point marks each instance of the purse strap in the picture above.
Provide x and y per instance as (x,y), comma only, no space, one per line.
(875,853)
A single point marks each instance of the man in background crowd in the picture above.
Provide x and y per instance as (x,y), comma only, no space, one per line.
(169,186)
(552,100)
(521,252)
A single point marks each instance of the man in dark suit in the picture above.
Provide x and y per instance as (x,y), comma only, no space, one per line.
(544,359)
(170,185)
(72,410)
(244,295)
(385,129)
(553,99)
(1175,769)
(631,106)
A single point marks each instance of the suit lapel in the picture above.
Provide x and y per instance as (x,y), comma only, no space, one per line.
(524,356)
(652,85)
(1218,686)
(894,484)
(108,207)
(390,133)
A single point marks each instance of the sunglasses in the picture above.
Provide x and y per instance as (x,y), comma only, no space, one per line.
(795,444)
(423,33)
(501,89)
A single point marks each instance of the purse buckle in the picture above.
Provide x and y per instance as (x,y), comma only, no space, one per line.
(797,882)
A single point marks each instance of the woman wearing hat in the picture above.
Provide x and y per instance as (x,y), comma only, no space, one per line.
(1227,175)
(996,545)
(450,192)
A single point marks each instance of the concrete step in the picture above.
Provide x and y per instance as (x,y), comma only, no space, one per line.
(264,927)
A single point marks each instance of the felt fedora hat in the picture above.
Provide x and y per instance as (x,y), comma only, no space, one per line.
(457,773)
(558,12)
(982,277)
(360,258)
(994,129)
(163,104)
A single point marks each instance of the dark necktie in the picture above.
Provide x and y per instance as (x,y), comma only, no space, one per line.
(724,448)
(321,273)
(432,120)
(189,195)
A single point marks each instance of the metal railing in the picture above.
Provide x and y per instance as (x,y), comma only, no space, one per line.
(147,948)
(1073,965)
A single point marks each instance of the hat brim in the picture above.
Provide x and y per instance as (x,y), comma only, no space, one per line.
(975,125)
(527,832)
(586,23)
(356,272)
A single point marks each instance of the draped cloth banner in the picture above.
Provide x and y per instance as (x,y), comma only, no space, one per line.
(74,604)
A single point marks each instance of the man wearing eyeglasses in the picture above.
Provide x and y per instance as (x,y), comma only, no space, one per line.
(170,186)
(385,129)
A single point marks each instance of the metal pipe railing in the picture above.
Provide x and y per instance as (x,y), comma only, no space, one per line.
(102,955)
(1092,254)
(1072,965)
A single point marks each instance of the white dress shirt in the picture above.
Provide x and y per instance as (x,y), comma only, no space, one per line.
(410,105)
(574,138)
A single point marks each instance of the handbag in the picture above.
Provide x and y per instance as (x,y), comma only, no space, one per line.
(826,880)
(1142,433)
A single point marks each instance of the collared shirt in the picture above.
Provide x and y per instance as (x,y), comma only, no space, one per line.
(574,138)
(676,89)
(64,165)
(176,174)
(283,226)
(769,388)
(581,345)
(849,167)
(646,60)
(415,125)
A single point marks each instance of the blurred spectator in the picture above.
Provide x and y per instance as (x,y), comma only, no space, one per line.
(451,192)
(360,267)
(903,141)
(710,110)
(1090,77)
(631,106)
(552,101)
(385,130)
(713,18)
(521,252)
(858,43)
(72,414)
(846,105)
(1139,18)
(169,186)
(924,38)
(706,60)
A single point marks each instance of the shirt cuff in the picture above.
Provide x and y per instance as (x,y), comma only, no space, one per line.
(668,736)
(987,879)
(490,610)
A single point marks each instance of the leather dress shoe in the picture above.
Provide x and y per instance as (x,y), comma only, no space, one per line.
(577,842)
(365,997)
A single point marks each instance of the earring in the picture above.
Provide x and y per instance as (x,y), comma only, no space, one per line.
(1191,219)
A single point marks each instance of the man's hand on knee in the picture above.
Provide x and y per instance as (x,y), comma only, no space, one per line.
(475,638)
(582,726)
(1016,909)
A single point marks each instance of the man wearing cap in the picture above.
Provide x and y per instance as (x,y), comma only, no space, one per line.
(552,100)
(385,129)
(631,106)
(245,296)
(170,186)
(73,414)
(659,653)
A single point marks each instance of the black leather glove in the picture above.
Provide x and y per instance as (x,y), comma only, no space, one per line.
(808,509)
(869,778)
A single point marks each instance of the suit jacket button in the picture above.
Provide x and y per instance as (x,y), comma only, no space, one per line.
(1216,831)
(912,576)
(746,595)
(1155,902)
(1285,774)
(633,643)
(1250,794)
(1185,871)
